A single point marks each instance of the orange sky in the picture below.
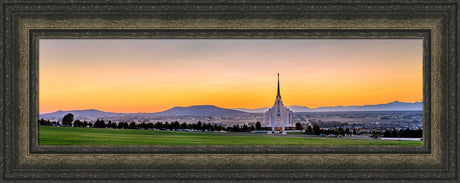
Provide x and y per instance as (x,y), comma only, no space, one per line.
(152,75)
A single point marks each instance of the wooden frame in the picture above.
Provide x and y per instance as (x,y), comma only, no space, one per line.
(23,23)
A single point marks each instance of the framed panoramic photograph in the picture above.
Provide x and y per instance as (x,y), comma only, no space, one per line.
(261,91)
(373,85)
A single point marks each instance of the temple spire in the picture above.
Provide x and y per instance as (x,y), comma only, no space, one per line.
(278,95)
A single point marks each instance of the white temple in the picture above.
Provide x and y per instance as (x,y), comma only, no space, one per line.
(279,117)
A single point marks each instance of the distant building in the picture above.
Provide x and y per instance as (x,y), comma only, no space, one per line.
(279,118)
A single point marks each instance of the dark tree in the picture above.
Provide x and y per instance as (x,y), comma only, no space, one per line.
(175,125)
(309,130)
(340,131)
(387,133)
(114,125)
(212,127)
(43,122)
(67,120)
(394,133)
(166,125)
(159,125)
(183,125)
(123,125)
(204,127)
(316,129)
(258,126)
(245,128)
(410,133)
(298,126)
(132,125)
(235,128)
(198,125)
(120,124)
(77,123)
(99,124)
(142,125)
(149,126)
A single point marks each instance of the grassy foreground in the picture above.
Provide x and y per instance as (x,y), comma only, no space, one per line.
(100,136)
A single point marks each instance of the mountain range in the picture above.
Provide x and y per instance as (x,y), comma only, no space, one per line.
(210,110)
(85,112)
(200,110)
(392,106)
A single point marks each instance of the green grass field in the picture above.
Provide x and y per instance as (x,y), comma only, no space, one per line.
(98,136)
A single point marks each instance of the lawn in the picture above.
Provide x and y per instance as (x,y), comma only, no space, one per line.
(100,136)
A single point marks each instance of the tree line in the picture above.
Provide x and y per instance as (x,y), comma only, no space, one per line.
(100,123)
(316,130)
(404,133)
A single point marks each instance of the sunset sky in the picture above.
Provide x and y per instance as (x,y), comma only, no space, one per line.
(152,75)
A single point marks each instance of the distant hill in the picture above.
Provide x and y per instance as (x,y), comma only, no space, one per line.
(199,110)
(79,113)
(392,106)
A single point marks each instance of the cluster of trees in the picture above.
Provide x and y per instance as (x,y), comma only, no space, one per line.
(244,128)
(298,126)
(43,122)
(78,123)
(100,123)
(176,125)
(404,133)
(316,130)
(339,131)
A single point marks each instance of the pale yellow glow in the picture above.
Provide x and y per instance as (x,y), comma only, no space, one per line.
(155,75)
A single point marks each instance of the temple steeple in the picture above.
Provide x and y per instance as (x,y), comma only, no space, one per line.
(278,95)
(279,118)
